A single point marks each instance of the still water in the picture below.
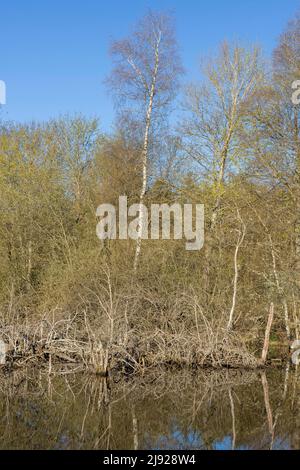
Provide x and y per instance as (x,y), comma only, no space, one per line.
(162,410)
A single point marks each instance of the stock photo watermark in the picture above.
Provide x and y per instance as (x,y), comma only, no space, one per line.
(2,352)
(159,223)
(295,348)
(2,93)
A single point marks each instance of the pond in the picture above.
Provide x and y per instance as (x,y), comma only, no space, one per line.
(162,410)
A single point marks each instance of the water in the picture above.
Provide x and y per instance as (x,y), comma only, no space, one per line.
(167,410)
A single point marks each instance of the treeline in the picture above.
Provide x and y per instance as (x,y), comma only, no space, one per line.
(235,147)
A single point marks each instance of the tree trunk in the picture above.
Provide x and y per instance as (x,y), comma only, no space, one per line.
(267,335)
(145,155)
(242,233)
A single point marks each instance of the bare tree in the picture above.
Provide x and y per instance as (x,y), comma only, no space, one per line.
(275,129)
(286,71)
(216,112)
(145,77)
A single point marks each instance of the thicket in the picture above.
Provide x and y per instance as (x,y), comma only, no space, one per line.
(234,146)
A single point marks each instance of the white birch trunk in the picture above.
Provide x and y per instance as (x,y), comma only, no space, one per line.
(236,275)
(145,155)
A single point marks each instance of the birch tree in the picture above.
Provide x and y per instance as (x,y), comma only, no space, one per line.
(275,130)
(145,80)
(287,135)
(215,112)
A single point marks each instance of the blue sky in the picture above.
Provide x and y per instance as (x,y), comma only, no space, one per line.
(54,54)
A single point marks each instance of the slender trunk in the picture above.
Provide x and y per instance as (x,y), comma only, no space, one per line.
(236,275)
(296,317)
(29,265)
(144,182)
(221,176)
(286,380)
(215,213)
(233,420)
(280,291)
(265,385)
(220,181)
(267,335)
(145,156)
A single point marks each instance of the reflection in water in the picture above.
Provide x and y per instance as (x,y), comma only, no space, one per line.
(171,410)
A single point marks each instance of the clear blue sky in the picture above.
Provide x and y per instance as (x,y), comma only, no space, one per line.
(53,54)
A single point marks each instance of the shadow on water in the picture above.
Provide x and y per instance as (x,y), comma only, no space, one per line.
(167,410)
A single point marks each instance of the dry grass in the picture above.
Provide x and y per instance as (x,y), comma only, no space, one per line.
(107,339)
